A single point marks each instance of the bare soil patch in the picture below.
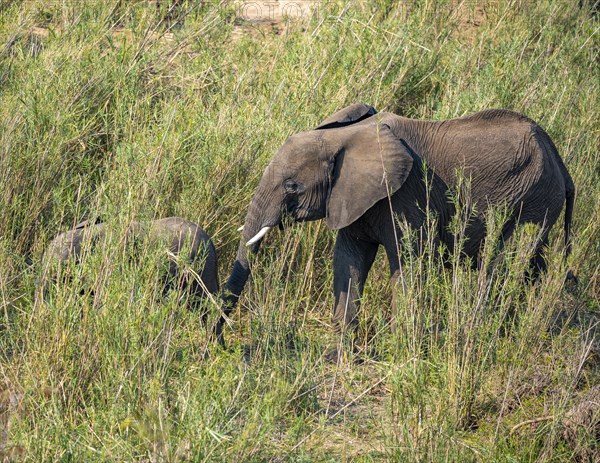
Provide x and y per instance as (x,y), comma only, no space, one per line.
(264,18)
(470,17)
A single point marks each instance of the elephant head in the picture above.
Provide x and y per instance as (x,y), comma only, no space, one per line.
(316,174)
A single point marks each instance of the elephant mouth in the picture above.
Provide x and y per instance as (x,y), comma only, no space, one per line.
(304,214)
(255,241)
(297,214)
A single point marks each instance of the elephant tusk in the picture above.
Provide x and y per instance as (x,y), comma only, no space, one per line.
(241,228)
(259,236)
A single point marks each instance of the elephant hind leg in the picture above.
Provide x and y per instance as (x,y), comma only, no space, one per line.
(537,264)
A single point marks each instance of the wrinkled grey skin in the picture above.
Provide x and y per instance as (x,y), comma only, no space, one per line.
(357,167)
(178,233)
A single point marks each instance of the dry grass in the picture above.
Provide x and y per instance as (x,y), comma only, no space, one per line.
(135,110)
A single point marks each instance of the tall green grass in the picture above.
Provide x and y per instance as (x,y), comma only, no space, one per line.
(128,111)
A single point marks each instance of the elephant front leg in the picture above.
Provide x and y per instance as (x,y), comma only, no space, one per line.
(352,260)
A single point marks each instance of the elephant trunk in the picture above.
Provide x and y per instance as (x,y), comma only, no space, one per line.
(264,213)
(237,278)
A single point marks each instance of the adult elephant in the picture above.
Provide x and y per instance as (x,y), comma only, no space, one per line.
(362,170)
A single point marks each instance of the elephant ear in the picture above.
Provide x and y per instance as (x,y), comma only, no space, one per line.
(371,165)
(87,223)
(347,116)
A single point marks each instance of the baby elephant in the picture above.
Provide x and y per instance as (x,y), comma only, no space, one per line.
(180,236)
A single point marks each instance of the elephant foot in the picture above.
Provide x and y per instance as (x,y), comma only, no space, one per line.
(334,355)
(571,278)
(349,353)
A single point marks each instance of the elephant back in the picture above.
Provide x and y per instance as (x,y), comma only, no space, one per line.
(72,243)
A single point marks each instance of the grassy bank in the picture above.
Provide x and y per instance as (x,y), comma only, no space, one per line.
(126,110)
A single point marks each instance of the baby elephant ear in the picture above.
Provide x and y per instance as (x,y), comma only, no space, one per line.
(347,116)
(371,164)
(87,223)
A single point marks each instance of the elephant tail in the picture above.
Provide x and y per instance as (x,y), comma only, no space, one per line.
(569,204)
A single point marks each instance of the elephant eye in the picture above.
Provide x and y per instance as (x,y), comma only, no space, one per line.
(290,186)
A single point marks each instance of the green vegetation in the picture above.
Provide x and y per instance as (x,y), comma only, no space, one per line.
(126,110)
